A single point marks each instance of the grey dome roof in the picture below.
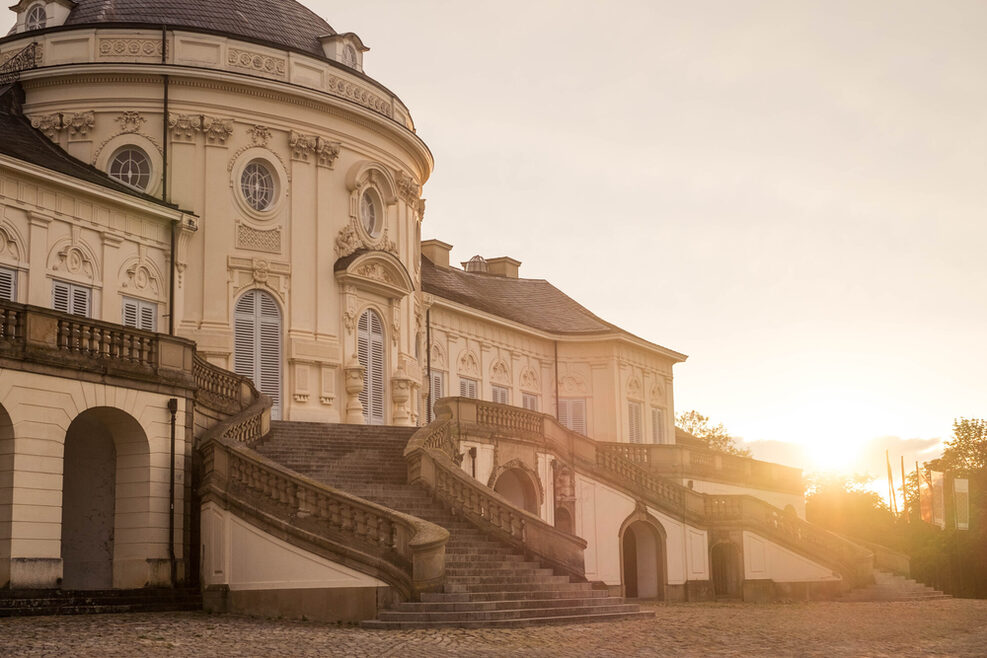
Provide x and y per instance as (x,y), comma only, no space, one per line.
(282,22)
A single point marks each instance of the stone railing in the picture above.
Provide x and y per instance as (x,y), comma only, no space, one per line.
(684,461)
(431,466)
(628,467)
(508,418)
(219,388)
(403,551)
(50,338)
(852,560)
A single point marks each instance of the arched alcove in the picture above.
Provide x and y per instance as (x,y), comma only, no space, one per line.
(105,485)
(642,552)
(515,485)
(563,520)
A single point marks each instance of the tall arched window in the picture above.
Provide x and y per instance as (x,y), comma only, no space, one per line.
(370,352)
(257,344)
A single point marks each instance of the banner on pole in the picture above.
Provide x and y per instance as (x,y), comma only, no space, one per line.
(939,499)
(961,497)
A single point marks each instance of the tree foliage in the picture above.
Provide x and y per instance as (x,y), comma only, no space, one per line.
(714,436)
(845,505)
(967,450)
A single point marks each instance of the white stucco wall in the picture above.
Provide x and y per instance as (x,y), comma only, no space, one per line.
(764,559)
(238,554)
(601,511)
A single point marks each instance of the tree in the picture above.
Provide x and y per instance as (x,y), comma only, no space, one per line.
(967,450)
(844,504)
(715,437)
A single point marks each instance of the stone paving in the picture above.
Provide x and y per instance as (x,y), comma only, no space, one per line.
(953,627)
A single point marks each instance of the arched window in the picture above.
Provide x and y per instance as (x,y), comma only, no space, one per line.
(370,353)
(257,344)
(36,18)
(349,57)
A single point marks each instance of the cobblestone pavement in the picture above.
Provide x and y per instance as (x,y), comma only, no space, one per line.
(952,627)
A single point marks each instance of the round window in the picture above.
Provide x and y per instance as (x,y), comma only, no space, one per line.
(370,213)
(131,166)
(257,185)
(36,18)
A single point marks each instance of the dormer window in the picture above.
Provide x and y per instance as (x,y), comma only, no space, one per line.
(37,18)
(349,57)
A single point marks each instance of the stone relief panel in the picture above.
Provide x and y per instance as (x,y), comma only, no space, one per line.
(140,277)
(256,272)
(142,48)
(529,380)
(469,364)
(255,62)
(312,147)
(257,240)
(500,373)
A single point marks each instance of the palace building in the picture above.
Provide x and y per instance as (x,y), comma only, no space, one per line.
(229,362)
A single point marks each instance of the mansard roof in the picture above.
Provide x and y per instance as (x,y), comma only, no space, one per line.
(532,302)
(283,22)
(20,140)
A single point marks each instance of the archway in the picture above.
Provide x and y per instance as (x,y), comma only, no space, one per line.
(515,485)
(642,546)
(257,344)
(105,490)
(726,566)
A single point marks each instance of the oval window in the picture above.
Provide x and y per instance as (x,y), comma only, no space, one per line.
(131,166)
(257,185)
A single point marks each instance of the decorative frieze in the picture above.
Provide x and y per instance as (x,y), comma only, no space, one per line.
(259,135)
(217,131)
(350,239)
(150,48)
(249,272)
(354,92)
(130,121)
(256,62)
(253,239)
(80,123)
(49,124)
(184,126)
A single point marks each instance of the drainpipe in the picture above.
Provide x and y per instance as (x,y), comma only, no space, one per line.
(428,362)
(164,181)
(173,409)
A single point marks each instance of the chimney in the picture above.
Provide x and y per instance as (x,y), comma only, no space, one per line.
(437,251)
(504,266)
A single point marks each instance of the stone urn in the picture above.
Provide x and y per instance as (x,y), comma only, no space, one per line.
(400,396)
(353,375)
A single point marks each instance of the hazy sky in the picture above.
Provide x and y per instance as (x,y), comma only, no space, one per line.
(791,193)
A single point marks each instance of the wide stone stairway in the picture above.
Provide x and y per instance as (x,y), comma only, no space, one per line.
(891,587)
(488,584)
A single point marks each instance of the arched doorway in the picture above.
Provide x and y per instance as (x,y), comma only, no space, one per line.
(726,566)
(257,344)
(370,353)
(642,545)
(105,489)
(515,485)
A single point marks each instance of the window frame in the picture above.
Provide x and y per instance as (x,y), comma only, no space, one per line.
(272,192)
(42,24)
(465,386)
(149,174)
(73,292)
(635,422)
(569,420)
(500,391)
(142,309)
(529,401)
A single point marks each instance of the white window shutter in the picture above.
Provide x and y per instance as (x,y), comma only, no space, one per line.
(257,344)
(60,296)
(572,414)
(437,390)
(8,284)
(148,320)
(564,414)
(80,301)
(467,388)
(634,422)
(529,401)
(500,394)
(657,425)
(131,313)
(370,354)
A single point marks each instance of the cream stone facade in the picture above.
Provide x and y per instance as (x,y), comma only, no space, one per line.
(182,198)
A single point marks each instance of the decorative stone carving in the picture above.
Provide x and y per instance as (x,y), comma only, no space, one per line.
(565,488)
(49,124)
(186,230)
(400,395)
(351,239)
(9,247)
(256,240)
(326,152)
(305,146)
(438,356)
(217,131)
(500,373)
(469,365)
(658,391)
(150,48)
(529,379)
(408,188)
(74,260)
(634,388)
(572,384)
(259,135)
(256,62)
(80,123)
(353,376)
(140,277)
(185,126)
(130,122)
(376,272)
(248,272)
(354,92)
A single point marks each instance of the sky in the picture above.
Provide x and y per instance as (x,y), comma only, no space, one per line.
(791,193)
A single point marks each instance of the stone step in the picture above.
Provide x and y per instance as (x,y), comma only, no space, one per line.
(58,602)
(547,594)
(510,613)
(452,572)
(511,623)
(506,604)
(511,579)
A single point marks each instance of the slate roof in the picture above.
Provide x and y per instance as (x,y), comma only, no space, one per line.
(532,302)
(283,22)
(20,140)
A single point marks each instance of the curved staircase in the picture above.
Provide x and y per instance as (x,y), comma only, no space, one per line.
(892,587)
(488,584)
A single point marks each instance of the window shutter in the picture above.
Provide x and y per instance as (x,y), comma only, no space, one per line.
(437,391)
(564,414)
(8,284)
(60,296)
(467,388)
(657,425)
(634,422)
(148,320)
(529,401)
(370,354)
(257,344)
(130,312)
(80,301)
(500,395)
(579,416)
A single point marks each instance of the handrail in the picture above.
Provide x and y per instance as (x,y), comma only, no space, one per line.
(402,550)
(431,465)
(219,388)
(24,59)
(623,469)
